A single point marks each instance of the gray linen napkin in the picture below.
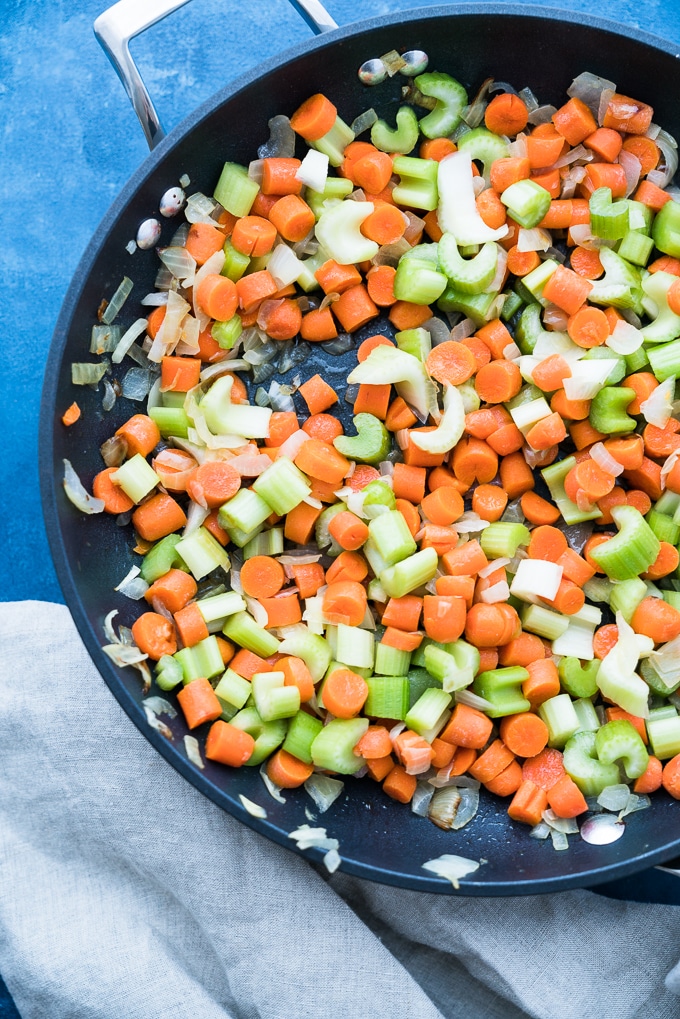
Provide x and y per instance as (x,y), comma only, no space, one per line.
(125,893)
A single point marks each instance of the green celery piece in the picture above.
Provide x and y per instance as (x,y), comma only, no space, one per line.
(227,333)
(636,247)
(664,736)
(543,621)
(410,573)
(471,275)
(582,765)
(388,697)
(636,361)
(424,715)
(513,302)
(559,715)
(268,542)
(664,360)
(339,232)
(168,672)
(474,306)
(273,699)
(233,689)
(267,735)
(605,354)
(453,671)
(621,285)
(136,477)
(527,202)
(578,680)
(419,680)
(630,552)
(529,329)
(235,263)
(664,527)
(608,220)
(588,720)
(666,324)
(418,185)
(302,731)
(402,139)
(243,630)
(202,553)
(313,649)
(534,282)
(640,217)
(417,342)
(418,282)
(619,740)
(485,146)
(235,191)
(451,100)
(370,445)
(170,421)
(627,594)
(377,494)
(335,188)
(391,536)
(245,510)
(608,410)
(282,485)
(390,661)
(503,538)
(333,748)
(503,688)
(162,557)
(554,476)
(666,229)
(334,142)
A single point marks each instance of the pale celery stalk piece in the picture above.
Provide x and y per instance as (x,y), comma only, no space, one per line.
(310,647)
(666,324)
(338,231)
(387,365)
(355,647)
(449,430)
(526,415)
(273,699)
(457,212)
(410,573)
(577,639)
(219,606)
(224,417)
(617,679)
(136,477)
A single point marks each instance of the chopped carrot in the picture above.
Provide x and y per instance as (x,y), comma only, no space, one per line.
(604,639)
(262,576)
(651,778)
(495,759)
(507,171)
(543,682)
(520,263)
(374,743)
(406,315)
(114,498)
(490,208)
(254,288)
(474,460)
(386,224)
(314,118)
(467,728)
(545,769)
(344,693)
(318,325)
(657,619)
(300,523)
(287,771)
(348,530)
(354,308)
(670,777)
(158,516)
(408,482)
(70,415)
(528,804)
(567,289)
(538,510)
(506,114)
(451,362)
(399,785)
(344,602)
(190,625)
(292,217)
(521,650)
(203,241)
(627,115)
(566,799)
(373,399)
(508,782)
(516,475)
(200,704)
(525,734)
(154,635)
(213,483)
(586,263)
(279,176)
(436,148)
(496,382)
(605,143)
(173,590)
(317,394)
(141,434)
(488,501)
(574,121)
(651,195)
(380,285)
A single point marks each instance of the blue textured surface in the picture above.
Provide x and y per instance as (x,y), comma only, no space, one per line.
(69,141)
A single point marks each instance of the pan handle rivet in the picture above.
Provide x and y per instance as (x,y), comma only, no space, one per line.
(415,62)
(148,234)
(372,72)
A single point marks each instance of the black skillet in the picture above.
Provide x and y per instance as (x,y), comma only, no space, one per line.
(542,48)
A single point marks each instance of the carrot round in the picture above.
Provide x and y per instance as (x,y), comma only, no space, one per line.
(203,241)
(318,325)
(323,426)
(489,502)
(506,114)
(213,483)
(370,344)
(287,771)
(380,285)
(604,639)
(538,510)
(173,590)
(279,176)
(71,415)
(566,799)
(491,209)
(524,734)
(297,674)
(314,118)
(386,224)
(651,778)
(399,785)
(451,362)
(114,498)
(217,296)
(443,506)
(158,516)
(349,530)
(344,693)
(190,625)
(199,703)
(543,682)
(292,217)
(657,619)
(588,327)
(262,576)
(498,381)
(349,566)
(228,745)
(522,650)
(485,625)
(670,777)
(141,434)
(344,602)
(154,635)
(586,263)
(545,769)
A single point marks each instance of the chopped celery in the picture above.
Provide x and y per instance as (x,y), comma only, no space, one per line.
(417,188)
(391,536)
(244,631)
(372,442)
(582,765)
(163,556)
(503,688)
(630,552)
(608,219)
(577,679)
(354,647)
(333,748)
(339,232)
(471,275)
(485,146)
(267,735)
(310,647)
(418,282)
(202,553)
(416,342)
(302,731)
(502,539)
(136,477)
(235,191)
(457,212)
(619,740)
(390,661)
(283,486)
(527,202)
(559,715)
(273,699)
(400,139)
(428,712)
(233,689)
(388,697)
(410,573)
(451,100)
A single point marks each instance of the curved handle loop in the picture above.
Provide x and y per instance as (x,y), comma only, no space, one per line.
(124,20)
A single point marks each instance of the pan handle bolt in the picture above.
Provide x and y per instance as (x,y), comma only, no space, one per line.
(372,72)
(415,62)
(171,202)
(148,234)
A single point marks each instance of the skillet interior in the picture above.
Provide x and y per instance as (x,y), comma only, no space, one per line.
(544,49)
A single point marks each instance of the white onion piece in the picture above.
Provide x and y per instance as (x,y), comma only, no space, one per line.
(284,265)
(159,706)
(462,330)
(668,465)
(555,318)
(332,861)
(536,578)
(587,379)
(257,611)
(669,148)
(250,465)
(496,593)
(472,700)
(501,265)
(133,586)
(76,493)
(632,168)
(519,146)
(542,114)
(362,123)
(291,447)
(196,515)
(535,239)
(496,564)
(605,460)
(308,838)
(127,339)
(588,87)
(124,654)
(254,809)
(658,407)
(168,335)
(470,523)
(313,170)
(273,789)
(323,789)
(529,99)
(226,365)
(421,798)
(255,170)
(579,152)
(193,752)
(582,235)
(451,868)
(625,338)
(605,99)
(155,722)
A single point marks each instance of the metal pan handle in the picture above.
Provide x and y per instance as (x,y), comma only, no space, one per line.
(124,20)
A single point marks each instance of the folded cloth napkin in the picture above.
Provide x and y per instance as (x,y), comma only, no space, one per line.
(126,893)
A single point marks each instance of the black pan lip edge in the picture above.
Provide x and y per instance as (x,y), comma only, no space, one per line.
(49,484)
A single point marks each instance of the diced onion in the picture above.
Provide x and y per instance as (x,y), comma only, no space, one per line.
(272,788)
(605,460)
(577,153)
(632,168)
(193,751)
(133,586)
(496,593)
(254,809)
(362,123)
(332,861)
(281,139)
(625,338)
(658,406)
(668,465)
(669,148)
(323,789)
(77,494)
(309,838)
(451,868)
(588,87)
(313,170)
(535,239)
(605,99)
(542,115)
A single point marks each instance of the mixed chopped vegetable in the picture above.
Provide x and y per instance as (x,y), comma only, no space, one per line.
(480,585)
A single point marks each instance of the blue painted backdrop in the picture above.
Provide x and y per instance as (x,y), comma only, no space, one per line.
(69,141)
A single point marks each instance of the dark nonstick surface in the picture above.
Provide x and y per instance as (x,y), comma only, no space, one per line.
(379,839)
